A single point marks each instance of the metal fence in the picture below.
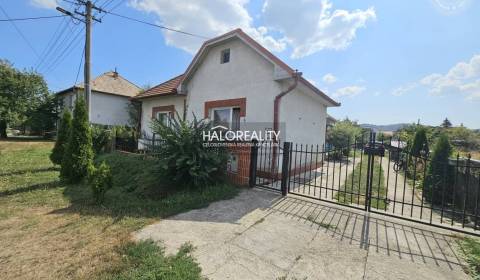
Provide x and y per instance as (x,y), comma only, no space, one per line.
(375,176)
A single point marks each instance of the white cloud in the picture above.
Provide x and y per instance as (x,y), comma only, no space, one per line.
(329,78)
(207,18)
(310,26)
(47,4)
(349,91)
(463,78)
(404,89)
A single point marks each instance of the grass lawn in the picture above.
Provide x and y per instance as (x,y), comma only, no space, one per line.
(356,183)
(471,251)
(51,230)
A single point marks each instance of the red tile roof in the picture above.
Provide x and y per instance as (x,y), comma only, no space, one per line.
(166,88)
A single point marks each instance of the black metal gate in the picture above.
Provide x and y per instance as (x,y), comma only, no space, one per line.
(382,177)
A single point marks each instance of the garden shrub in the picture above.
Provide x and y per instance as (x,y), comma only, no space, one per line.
(439,176)
(417,152)
(100,180)
(101,137)
(183,155)
(62,138)
(79,153)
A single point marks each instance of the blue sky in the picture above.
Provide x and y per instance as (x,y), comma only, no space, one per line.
(385,61)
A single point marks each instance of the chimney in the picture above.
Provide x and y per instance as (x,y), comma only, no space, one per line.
(115,73)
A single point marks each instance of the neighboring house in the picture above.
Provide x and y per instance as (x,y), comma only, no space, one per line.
(111,94)
(234,81)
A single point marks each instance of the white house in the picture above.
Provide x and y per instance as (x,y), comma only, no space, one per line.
(111,94)
(233,80)
(237,83)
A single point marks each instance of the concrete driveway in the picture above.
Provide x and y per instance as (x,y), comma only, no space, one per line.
(260,235)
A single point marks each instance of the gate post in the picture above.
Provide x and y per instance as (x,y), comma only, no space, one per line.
(371,162)
(285,167)
(253,164)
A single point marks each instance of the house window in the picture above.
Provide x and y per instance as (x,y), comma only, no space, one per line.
(225,56)
(163,117)
(227,117)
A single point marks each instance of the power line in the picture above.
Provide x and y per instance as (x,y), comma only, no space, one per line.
(48,48)
(20,32)
(31,18)
(56,50)
(156,25)
(66,51)
(79,66)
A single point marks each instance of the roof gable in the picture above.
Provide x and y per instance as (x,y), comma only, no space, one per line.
(282,70)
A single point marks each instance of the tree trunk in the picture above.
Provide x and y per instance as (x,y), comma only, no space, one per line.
(3,129)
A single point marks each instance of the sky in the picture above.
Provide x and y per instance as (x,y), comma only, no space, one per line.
(385,61)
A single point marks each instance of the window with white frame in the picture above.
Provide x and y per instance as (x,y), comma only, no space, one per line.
(163,117)
(227,117)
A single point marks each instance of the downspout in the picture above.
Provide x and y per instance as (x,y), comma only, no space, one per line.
(278,98)
(276,118)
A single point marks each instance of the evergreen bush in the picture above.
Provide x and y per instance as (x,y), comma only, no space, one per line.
(63,135)
(78,155)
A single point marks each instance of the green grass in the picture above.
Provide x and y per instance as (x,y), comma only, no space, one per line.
(146,260)
(356,183)
(471,251)
(36,205)
(312,219)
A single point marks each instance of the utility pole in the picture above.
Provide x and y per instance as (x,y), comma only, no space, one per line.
(87,19)
(88,28)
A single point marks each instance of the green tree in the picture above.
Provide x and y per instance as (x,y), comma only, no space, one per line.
(20,92)
(446,123)
(78,155)
(134,110)
(420,143)
(464,138)
(439,173)
(44,117)
(62,138)
(342,134)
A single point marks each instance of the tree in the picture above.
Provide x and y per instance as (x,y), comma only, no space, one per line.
(464,138)
(44,117)
(134,109)
(420,143)
(439,173)
(78,155)
(20,93)
(342,134)
(63,135)
(446,123)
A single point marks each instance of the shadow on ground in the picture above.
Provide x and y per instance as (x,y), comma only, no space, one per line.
(368,231)
(386,235)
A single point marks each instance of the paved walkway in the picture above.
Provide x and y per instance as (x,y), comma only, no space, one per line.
(259,235)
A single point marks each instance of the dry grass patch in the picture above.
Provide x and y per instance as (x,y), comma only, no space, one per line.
(49,230)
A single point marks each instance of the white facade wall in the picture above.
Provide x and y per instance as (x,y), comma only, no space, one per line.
(149,103)
(250,75)
(305,118)
(106,109)
(247,75)
(109,109)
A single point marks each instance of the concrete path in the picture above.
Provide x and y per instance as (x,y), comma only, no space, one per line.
(259,235)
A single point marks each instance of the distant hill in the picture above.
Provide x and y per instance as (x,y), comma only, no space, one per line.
(387,127)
